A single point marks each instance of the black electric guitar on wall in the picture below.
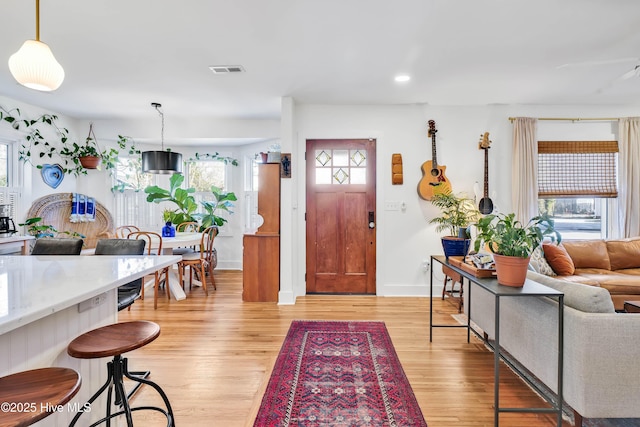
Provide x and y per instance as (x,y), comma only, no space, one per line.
(486,205)
(433,179)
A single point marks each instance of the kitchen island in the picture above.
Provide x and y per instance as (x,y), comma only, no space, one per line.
(47,301)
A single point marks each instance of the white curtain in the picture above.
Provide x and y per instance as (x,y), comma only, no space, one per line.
(629,176)
(524,170)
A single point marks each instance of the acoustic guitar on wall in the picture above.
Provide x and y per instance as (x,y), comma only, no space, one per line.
(433,178)
(486,204)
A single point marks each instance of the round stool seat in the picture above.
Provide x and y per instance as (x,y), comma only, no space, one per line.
(30,396)
(113,340)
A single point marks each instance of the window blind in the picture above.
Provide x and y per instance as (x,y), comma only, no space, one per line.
(577,168)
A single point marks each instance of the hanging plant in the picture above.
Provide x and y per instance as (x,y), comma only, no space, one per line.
(89,154)
(69,153)
(215,156)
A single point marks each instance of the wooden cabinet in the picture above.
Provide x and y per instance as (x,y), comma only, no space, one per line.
(269,198)
(261,251)
(261,268)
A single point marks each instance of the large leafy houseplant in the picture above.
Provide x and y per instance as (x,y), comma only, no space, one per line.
(504,235)
(182,198)
(222,201)
(458,212)
(186,205)
(512,243)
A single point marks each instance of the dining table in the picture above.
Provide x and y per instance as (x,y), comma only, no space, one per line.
(180,240)
(47,301)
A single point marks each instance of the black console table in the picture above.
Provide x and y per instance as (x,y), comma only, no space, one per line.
(530,289)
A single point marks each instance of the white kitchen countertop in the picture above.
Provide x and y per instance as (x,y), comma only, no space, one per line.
(33,287)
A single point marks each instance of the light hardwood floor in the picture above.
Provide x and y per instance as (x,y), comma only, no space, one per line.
(215,353)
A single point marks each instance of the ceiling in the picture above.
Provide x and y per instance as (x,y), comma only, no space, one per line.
(121,55)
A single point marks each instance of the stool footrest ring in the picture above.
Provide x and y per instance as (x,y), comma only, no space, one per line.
(116,370)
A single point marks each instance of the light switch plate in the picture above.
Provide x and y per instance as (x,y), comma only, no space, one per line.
(391,206)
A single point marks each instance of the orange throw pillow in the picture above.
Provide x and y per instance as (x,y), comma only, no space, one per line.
(559,259)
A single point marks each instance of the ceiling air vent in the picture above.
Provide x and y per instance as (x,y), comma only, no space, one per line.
(226,69)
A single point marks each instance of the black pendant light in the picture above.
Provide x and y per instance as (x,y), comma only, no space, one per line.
(161,162)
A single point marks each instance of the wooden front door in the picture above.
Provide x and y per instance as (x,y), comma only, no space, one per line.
(341,217)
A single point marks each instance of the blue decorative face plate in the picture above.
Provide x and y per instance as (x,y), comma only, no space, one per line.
(52,175)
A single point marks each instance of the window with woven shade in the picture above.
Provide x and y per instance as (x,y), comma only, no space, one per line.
(577,168)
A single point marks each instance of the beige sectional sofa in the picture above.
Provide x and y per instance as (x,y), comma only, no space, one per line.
(610,264)
(601,374)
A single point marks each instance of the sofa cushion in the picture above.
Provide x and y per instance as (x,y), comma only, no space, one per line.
(558,259)
(585,278)
(630,271)
(539,263)
(620,284)
(590,299)
(588,253)
(624,253)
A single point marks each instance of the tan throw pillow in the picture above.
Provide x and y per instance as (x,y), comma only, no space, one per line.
(559,259)
(540,264)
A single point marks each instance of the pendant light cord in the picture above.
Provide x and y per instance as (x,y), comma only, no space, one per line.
(37,20)
(157,107)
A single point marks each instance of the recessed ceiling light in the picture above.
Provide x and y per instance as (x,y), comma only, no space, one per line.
(402,78)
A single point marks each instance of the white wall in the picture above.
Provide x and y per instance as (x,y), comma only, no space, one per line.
(405,238)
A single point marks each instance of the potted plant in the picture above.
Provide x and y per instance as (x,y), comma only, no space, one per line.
(222,201)
(512,243)
(38,230)
(182,198)
(45,230)
(89,154)
(458,212)
(39,144)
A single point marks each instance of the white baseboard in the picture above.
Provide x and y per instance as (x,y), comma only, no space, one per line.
(401,290)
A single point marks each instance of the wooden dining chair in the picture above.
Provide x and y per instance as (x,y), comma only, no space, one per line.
(153,247)
(188,227)
(197,262)
(210,252)
(123,231)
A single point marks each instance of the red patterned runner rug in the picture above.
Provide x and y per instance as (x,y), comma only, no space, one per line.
(338,374)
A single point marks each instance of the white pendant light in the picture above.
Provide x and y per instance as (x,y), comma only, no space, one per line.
(34,65)
(161,162)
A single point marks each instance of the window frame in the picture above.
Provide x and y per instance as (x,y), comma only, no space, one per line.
(13,192)
(603,201)
(199,196)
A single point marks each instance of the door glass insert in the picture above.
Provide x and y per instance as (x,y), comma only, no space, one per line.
(340,175)
(341,158)
(341,166)
(322,158)
(358,158)
(323,176)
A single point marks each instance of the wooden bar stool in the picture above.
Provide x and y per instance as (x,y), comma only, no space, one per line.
(30,396)
(113,341)
(455,295)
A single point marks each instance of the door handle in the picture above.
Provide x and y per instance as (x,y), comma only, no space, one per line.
(372,220)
